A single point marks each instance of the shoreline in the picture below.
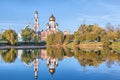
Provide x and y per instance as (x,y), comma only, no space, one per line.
(22,47)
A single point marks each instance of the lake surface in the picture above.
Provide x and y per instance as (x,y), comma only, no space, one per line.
(59,64)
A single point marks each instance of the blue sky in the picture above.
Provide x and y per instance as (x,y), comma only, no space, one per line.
(69,14)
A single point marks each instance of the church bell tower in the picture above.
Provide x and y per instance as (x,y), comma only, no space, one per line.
(36,23)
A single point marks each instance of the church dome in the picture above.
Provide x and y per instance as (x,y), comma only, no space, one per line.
(52,18)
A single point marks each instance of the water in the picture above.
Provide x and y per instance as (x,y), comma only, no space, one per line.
(59,64)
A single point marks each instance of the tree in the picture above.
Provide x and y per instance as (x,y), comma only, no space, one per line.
(111,33)
(50,39)
(28,34)
(59,38)
(11,36)
(118,32)
(55,38)
(89,33)
(0,37)
(68,39)
(36,38)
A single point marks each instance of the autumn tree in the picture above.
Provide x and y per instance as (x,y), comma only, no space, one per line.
(118,32)
(89,33)
(111,32)
(50,39)
(58,38)
(68,38)
(55,38)
(11,36)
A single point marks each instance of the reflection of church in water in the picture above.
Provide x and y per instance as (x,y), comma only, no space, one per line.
(52,63)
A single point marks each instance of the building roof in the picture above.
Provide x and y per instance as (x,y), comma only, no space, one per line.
(52,18)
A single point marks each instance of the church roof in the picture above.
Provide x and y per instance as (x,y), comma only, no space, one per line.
(52,18)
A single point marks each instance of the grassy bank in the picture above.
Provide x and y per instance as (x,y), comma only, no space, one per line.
(115,45)
(87,45)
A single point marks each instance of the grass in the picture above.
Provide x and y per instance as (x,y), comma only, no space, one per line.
(115,45)
(86,45)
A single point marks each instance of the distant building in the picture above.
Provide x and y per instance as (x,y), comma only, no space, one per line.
(52,27)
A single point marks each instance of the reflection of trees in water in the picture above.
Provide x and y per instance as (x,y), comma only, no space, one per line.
(28,55)
(112,57)
(59,52)
(85,57)
(88,57)
(10,55)
(96,57)
(56,52)
(68,52)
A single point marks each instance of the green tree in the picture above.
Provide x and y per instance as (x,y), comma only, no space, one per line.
(37,38)
(59,38)
(89,33)
(55,38)
(28,34)
(11,36)
(50,39)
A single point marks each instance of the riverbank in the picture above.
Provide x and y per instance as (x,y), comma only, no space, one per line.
(87,45)
(22,47)
(82,45)
(94,45)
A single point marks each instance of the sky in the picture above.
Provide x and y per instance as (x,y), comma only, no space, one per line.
(70,14)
